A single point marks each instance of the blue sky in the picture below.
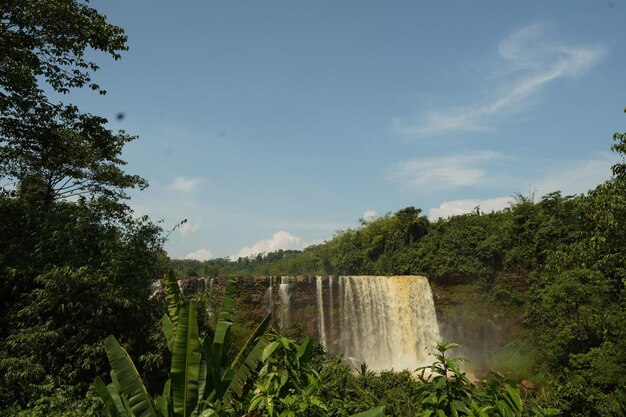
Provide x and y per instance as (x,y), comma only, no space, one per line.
(273,124)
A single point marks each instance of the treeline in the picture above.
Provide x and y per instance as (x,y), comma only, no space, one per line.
(474,246)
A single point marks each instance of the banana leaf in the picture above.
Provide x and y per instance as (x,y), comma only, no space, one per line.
(242,368)
(186,355)
(173,297)
(168,331)
(215,352)
(111,399)
(225,318)
(131,387)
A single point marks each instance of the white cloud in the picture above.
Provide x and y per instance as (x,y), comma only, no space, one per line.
(575,177)
(369,215)
(532,60)
(569,177)
(186,185)
(280,240)
(454,170)
(201,254)
(456,207)
(188,228)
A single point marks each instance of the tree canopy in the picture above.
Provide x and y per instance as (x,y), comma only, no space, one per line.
(50,149)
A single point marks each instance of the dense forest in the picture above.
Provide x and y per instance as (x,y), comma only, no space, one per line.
(77,266)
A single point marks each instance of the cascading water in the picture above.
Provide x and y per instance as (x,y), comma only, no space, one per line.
(329,337)
(321,326)
(384,321)
(388,322)
(270,300)
(284,290)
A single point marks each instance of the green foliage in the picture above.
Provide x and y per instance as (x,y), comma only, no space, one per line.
(199,378)
(52,150)
(446,391)
(286,385)
(70,277)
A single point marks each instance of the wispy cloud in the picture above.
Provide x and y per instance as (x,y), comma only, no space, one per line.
(280,240)
(530,61)
(201,254)
(186,185)
(456,207)
(455,170)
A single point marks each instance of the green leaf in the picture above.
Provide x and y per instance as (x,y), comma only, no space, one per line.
(243,373)
(162,405)
(128,380)
(246,362)
(513,399)
(304,350)
(374,412)
(225,318)
(111,399)
(186,356)
(173,297)
(269,350)
(168,331)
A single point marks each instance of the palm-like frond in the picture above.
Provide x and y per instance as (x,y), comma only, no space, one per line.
(127,378)
(186,355)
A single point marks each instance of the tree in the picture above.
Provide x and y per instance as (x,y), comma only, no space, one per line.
(71,272)
(51,145)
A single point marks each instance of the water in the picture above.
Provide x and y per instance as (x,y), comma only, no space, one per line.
(386,322)
(389,322)
(284,291)
(321,326)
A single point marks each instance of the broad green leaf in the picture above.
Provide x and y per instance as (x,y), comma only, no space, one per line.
(111,399)
(225,318)
(168,331)
(513,399)
(304,350)
(186,356)
(162,405)
(243,373)
(269,349)
(173,297)
(246,362)
(202,377)
(127,378)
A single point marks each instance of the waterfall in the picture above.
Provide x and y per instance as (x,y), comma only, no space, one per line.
(155,287)
(330,310)
(270,301)
(321,328)
(284,290)
(388,322)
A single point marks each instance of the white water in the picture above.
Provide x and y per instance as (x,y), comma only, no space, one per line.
(388,322)
(321,326)
(284,291)
(270,301)
(385,321)
(329,337)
